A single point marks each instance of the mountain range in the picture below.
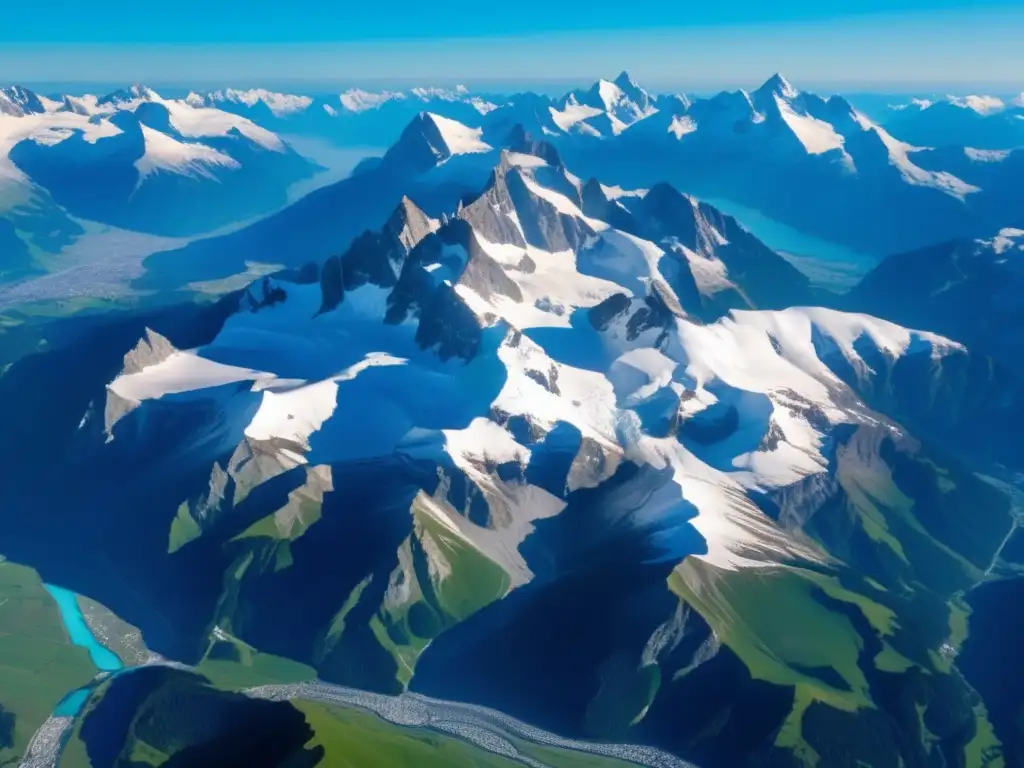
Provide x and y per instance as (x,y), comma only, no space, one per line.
(355,117)
(980,122)
(816,165)
(588,455)
(137,161)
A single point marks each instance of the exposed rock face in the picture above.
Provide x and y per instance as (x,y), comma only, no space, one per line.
(375,257)
(968,290)
(420,147)
(17,101)
(525,456)
(491,213)
(520,141)
(151,349)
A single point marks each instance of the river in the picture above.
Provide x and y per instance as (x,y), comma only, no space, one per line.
(486,728)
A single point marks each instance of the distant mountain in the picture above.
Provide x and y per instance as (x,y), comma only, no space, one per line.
(815,164)
(971,291)
(354,117)
(607,108)
(550,446)
(978,122)
(141,162)
(436,161)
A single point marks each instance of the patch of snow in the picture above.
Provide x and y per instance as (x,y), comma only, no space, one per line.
(163,153)
(280,104)
(573,114)
(899,157)
(460,139)
(358,100)
(207,122)
(986,155)
(1008,239)
(682,125)
(182,371)
(983,105)
(816,135)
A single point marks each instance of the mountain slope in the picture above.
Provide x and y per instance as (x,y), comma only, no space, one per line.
(436,161)
(138,161)
(563,451)
(814,164)
(980,122)
(355,117)
(967,290)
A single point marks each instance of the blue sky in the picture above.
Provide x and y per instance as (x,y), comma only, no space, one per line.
(862,43)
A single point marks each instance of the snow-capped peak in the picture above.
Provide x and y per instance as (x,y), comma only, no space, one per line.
(17,101)
(458,138)
(983,105)
(358,100)
(778,86)
(133,95)
(280,104)
(430,140)
(625,81)
(164,153)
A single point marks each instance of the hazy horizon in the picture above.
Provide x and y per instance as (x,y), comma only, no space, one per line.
(873,45)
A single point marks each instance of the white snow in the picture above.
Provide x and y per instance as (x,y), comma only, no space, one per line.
(1008,239)
(358,100)
(983,105)
(182,371)
(919,104)
(817,136)
(485,441)
(681,125)
(550,293)
(561,203)
(394,396)
(986,155)
(280,104)
(163,153)
(46,129)
(572,114)
(899,157)
(460,139)
(206,122)
(294,414)
(709,272)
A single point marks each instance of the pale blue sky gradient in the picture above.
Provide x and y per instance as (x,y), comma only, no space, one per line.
(925,43)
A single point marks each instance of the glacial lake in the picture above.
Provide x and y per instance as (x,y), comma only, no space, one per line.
(828,264)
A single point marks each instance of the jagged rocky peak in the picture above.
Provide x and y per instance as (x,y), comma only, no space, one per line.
(376,257)
(17,101)
(777,85)
(491,212)
(136,92)
(409,224)
(633,90)
(625,80)
(520,141)
(430,140)
(528,187)
(152,348)
(598,204)
(666,212)
(419,147)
